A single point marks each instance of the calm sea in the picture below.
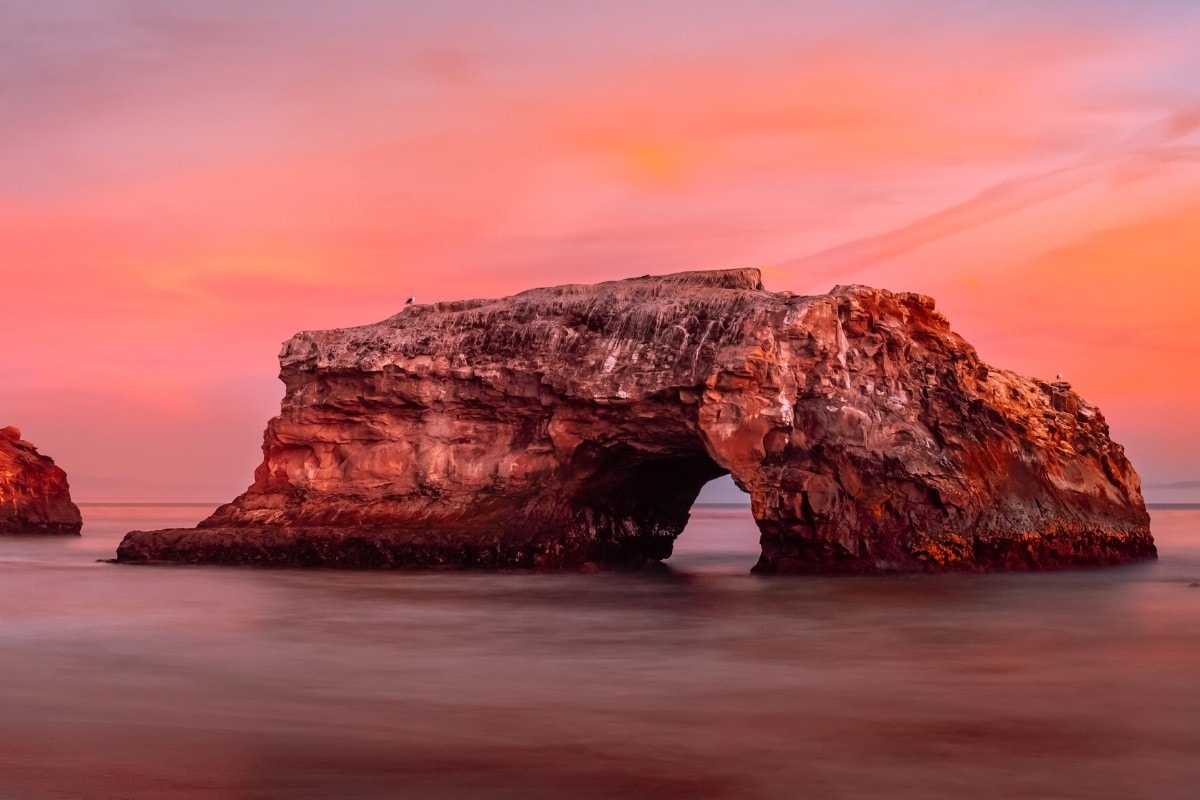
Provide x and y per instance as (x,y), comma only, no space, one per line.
(137,682)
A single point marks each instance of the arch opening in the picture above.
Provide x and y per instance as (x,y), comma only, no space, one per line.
(721,535)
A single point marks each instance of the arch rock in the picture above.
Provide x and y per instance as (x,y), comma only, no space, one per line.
(573,427)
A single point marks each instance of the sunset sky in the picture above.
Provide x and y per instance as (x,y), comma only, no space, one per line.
(185,185)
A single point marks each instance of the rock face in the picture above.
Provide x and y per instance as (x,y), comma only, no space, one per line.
(574,426)
(34,496)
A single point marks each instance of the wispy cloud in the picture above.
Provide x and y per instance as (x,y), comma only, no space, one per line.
(1150,146)
(1175,485)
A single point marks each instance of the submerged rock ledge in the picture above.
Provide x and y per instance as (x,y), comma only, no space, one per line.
(572,427)
(34,496)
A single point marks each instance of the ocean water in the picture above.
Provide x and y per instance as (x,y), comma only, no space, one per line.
(136,682)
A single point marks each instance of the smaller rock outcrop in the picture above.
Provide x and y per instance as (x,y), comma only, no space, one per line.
(34,496)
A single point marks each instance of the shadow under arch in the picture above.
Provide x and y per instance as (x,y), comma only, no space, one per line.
(641,501)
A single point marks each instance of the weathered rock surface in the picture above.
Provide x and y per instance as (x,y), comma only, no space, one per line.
(34,496)
(575,425)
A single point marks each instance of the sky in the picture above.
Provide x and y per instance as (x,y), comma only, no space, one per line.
(183,186)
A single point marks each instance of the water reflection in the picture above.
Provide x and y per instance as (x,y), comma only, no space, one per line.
(137,682)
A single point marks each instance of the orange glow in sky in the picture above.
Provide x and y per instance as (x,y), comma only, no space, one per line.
(185,185)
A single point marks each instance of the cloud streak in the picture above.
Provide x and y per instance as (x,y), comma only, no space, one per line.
(1147,148)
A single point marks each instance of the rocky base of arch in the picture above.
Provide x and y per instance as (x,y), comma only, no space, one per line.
(414,549)
(381,548)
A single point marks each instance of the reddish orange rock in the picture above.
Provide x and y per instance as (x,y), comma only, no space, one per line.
(573,426)
(34,496)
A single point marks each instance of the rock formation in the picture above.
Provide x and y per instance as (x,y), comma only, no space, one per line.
(34,496)
(574,426)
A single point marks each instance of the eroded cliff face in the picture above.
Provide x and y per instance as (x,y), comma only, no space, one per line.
(34,496)
(575,425)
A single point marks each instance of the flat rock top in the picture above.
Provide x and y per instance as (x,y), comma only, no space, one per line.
(634,309)
(617,340)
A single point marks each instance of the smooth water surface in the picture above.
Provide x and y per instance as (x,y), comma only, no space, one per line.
(211,682)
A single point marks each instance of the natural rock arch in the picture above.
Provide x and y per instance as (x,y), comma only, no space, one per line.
(575,425)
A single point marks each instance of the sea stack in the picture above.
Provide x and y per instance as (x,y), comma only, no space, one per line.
(34,496)
(572,427)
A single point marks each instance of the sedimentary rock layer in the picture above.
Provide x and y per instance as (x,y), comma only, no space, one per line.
(34,496)
(574,426)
